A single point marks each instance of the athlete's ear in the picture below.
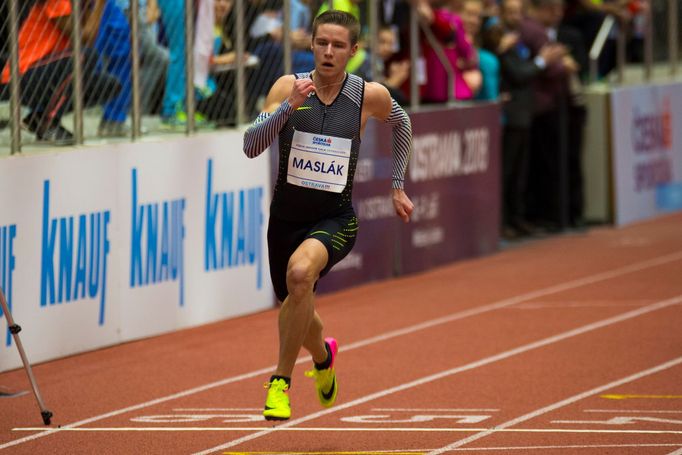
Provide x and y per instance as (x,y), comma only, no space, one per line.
(354,50)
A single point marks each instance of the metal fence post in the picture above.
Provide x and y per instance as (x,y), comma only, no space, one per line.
(374,40)
(15,95)
(673,44)
(648,45)
(414,57)
(134,12)
(286,36)
(189,66)
(77,71)
(240,44)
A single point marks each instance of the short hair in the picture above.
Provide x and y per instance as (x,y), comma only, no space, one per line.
(341,18)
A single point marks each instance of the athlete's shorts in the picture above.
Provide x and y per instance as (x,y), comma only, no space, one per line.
(284,237)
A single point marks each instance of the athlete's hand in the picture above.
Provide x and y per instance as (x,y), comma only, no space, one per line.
(300,91)
(403,205)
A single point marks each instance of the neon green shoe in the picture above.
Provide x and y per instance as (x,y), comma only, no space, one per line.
(277,402)
(325,380)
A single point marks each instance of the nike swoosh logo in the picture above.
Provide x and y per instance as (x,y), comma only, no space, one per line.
(304,108)
(328,395)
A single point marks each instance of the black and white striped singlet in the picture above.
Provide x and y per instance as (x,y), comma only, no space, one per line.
(341,118)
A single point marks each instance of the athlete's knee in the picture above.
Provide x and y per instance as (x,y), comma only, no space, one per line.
(301,277)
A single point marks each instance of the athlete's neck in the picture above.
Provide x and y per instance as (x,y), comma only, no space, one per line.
(326,88)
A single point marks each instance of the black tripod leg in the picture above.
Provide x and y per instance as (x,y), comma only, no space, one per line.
(14,330)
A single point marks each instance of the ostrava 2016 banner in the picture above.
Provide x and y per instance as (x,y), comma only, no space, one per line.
(454,182)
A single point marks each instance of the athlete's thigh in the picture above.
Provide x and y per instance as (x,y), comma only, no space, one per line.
(284,237)
(338,235)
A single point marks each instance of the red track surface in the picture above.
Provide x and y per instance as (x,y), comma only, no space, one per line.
(530,341)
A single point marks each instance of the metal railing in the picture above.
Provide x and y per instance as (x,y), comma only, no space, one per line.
(255,65)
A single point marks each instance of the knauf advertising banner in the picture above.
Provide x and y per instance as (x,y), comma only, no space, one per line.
(106,245)
(647,150)
(454,182)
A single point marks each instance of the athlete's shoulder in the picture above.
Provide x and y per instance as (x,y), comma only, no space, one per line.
(280,90)
(377,101)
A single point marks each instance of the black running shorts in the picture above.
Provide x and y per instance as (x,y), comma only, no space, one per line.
(284,237)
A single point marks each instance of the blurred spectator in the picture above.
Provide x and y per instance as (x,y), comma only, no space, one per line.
(173,18)
(448,30)
(46,67)
(571,107)
(220,104)
(546,196)
(519,69)
(395,72)
(204,45)
(588,15)
(262,18)
(301,36)
(153,56)
(113,45)
(484,81)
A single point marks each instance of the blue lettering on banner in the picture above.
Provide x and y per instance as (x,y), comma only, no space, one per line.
(7,265)
(82,242)
(234,226)
(157,243)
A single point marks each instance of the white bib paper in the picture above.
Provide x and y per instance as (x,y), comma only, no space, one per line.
(319,162)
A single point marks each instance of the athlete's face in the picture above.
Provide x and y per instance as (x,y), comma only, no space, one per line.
(332,49)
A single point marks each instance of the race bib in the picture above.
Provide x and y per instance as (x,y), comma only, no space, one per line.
(319,162)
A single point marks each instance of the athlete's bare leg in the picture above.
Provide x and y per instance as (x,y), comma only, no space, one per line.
(297,318)
(314,342)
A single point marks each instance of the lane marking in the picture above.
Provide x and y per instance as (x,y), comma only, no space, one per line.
(217,409)
(357,430)
(632,396)
(584,446)
(462,419)
(380,452)
(443,374)
(433,410)
(622,420)
(541,305)
(568,285)
(560,404)
(617,411)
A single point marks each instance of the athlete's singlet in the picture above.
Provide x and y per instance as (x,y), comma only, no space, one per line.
(318,153)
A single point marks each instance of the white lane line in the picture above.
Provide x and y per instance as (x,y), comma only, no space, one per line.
(560,404)
(541,305)
(356,430)
(216,409)
(590,279)
(433,410)
(632,411)
(479,363)
(594,446)
(676,452)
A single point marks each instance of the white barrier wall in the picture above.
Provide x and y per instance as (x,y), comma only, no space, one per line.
(647,147)
(109,244)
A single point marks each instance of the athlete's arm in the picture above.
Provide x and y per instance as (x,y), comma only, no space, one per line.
(284,98)
(379,104)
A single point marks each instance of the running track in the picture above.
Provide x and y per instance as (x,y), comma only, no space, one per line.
(566,345)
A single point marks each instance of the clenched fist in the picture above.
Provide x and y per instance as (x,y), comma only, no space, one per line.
(300,91)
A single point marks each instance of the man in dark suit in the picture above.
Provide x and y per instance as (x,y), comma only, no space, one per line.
(519,68)
(560,127)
